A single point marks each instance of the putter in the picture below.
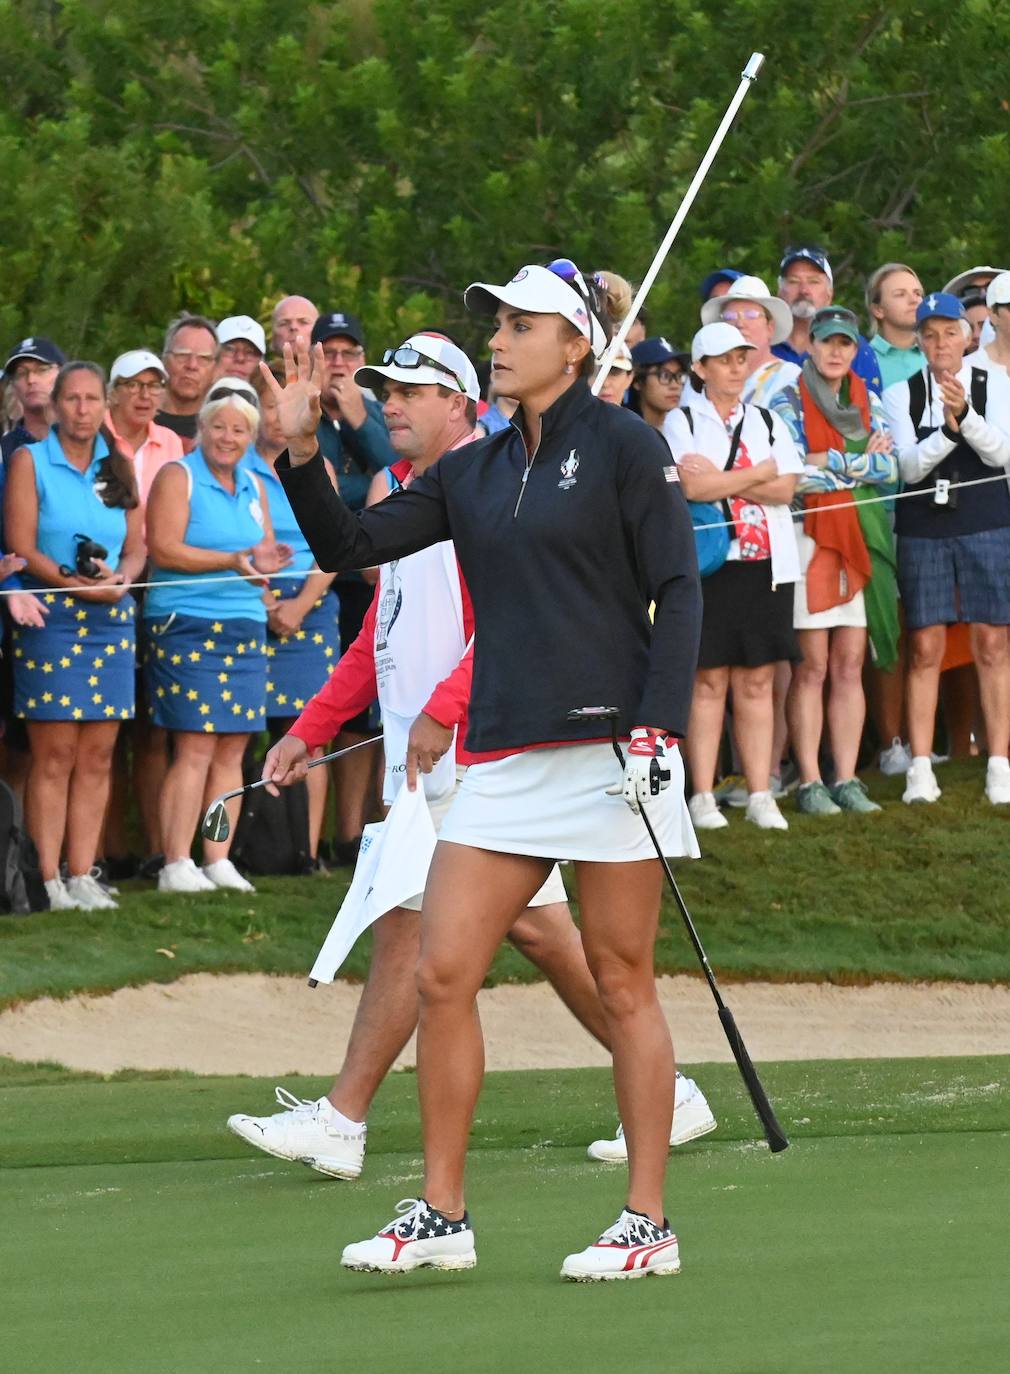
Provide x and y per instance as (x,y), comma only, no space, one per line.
(217,826)
(774,1134)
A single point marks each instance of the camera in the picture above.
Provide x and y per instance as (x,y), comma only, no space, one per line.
(87,551)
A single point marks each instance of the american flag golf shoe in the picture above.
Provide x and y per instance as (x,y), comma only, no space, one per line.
(418,1236)
(633,1247)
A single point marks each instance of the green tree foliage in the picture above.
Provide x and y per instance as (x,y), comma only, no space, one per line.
(379,154)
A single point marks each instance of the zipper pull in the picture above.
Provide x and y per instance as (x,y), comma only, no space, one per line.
(522,489)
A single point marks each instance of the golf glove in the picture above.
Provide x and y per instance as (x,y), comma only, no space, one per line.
(646,768)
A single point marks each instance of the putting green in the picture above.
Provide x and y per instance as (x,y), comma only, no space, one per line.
(139,1237)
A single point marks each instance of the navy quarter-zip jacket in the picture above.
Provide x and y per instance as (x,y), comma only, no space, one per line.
(561,566)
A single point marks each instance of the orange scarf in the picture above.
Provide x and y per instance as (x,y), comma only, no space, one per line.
(841,564)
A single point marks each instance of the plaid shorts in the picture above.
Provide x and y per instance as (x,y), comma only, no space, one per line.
(964,578)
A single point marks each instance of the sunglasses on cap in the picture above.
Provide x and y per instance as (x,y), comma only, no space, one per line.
(574,276)
(222,393)
(407,356)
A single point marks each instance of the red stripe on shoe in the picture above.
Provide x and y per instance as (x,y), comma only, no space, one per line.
(639,1258)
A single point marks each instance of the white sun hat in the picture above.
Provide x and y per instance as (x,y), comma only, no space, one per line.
(752,289)
(540,291)
(713,340)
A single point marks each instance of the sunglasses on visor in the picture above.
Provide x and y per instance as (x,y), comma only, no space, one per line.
(408,357)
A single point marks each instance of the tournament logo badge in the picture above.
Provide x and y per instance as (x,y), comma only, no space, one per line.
(568,470)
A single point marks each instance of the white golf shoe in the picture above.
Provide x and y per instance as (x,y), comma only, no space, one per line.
(88,895)
(762,811)
(705,813)
(305,1132)
(225,874)
(997,782)
(920,783)
(59,898)
(692,1117)
(182,875)
(633,1247)
(419,1237)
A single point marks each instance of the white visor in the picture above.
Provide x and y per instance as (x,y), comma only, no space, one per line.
(540,292)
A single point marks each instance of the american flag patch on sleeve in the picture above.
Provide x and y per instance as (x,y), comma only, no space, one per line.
(671,474)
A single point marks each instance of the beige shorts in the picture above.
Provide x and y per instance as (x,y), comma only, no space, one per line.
(553,889)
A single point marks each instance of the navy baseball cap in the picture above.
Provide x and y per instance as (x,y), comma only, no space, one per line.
(714,278)
(338,322)
(807,252)
(38,349)
(656,351)
(940,305)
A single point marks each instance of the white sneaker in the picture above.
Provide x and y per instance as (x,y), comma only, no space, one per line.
(225,874)
(633,1247)
(920,782)
(705,813)
(997,782)
(89,895)
(59,898)
(182,875)
(419,1236)
(692,1117)
(897,759)
(304,1132)
(763,811)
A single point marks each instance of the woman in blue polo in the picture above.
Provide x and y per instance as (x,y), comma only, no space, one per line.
(303,634)
(74,674)
(208,530)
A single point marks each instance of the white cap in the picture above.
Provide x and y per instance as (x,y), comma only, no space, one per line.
(621,359)
(242,327)
(226,387)
(752,289)
(137,360)
(998,290)
(957,284)
(712,340)
(455,365)
(541,292)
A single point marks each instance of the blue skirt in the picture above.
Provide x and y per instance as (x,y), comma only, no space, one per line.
(80,665)
(206,676)
(299,664)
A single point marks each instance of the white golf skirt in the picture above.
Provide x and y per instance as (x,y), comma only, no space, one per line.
(553,804)
(553,889)
(849,614)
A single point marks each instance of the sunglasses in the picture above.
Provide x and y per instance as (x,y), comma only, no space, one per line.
(751,313)
(223,393)
(407,357)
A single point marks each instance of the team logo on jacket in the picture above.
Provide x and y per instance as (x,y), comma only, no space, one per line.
(568,470)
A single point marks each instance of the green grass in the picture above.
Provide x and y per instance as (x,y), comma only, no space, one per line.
(139,1236)
(916,892)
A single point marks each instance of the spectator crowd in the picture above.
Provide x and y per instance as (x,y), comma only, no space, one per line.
(847,475)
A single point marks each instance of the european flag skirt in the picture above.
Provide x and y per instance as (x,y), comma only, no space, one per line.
(80,665)
(207,676)
(299,664)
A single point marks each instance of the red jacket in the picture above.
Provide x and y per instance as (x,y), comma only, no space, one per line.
(352,686)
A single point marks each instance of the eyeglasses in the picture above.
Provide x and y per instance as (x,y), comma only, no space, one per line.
(185,354)
(33,369)
(240,346)
(407,357)
(343,355)
(136,388)
(734,316)
(667,376)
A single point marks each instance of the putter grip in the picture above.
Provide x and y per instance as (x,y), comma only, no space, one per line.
(774,1134)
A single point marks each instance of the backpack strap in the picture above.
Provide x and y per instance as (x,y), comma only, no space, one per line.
(766,415)
(917,405)
(686,412)
(979,390)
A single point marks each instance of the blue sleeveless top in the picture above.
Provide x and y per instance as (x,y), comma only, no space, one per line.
(286,527)
(70,505)
(223,522)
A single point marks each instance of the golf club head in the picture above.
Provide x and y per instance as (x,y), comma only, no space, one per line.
(594,713)
(216,825)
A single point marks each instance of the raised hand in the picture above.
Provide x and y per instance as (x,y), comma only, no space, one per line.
(299,408)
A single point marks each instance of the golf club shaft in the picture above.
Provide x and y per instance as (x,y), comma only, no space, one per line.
(747,78)
(327,758)
(774,1134)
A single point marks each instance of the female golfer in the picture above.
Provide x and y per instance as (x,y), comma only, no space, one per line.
(567,526)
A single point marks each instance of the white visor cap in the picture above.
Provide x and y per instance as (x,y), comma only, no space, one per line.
(540,291)
(454,364)
(713,340)
(137,360)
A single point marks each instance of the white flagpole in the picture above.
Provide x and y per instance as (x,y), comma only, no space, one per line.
(747,78)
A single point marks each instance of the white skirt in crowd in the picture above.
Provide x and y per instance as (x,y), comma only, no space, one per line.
(553,804)
(849,613)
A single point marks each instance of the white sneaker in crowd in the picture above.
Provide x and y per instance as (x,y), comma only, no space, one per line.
(763,811)
(311,1133)
(59,898)
(633,1247)
(692,1117)
(418,1237)
(920,782)
(87,894)
(225,874)
(997,781)
(705,813)
(897,759)
(182,875)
